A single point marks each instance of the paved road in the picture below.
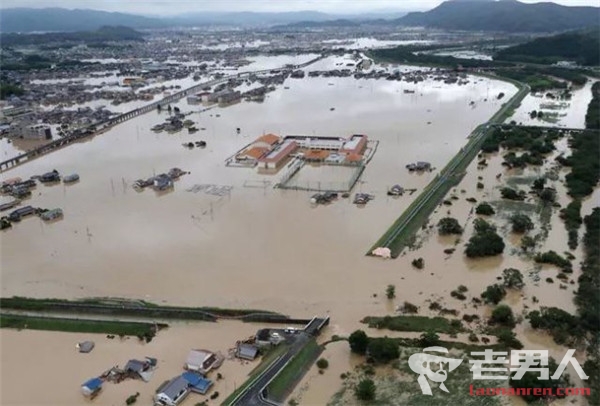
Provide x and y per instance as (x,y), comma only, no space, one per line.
(253,394)
(450,171)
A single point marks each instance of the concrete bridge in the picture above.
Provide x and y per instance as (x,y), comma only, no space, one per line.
(103,126)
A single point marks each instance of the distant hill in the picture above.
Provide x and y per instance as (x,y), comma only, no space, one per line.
(63,20)
(300,25)
(246,18)
(582,47)
(505,16)
(103,34)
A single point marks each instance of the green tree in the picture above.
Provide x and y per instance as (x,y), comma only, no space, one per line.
(513,278)
(429,339)
(521,223)
(527,243)
(485,209)
(390,292)
(509,339)
(485,242)
(548,195)
(383,350)
(448,226)
(503,315)
(530,379)
(322,363)
(358,342)
(493,294)
(365,390)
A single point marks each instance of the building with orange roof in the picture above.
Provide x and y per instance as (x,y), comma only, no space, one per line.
(266,141)
(251,154)
(278,155)
(355,144)
(353,158)
(316,155)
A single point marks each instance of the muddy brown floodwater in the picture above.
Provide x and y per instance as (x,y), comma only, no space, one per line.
(256,247)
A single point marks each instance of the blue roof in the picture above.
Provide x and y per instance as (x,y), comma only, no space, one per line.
(197,382)
(93,383)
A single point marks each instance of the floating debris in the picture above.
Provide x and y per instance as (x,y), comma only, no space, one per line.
(71,178)
(210,189)
(362,198)
(53,214)
(396,190)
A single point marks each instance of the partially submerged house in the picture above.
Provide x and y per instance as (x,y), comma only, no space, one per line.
(173,393)
(85,346)
(419,166)
(246,351)
(201,361)
(265,337)
(91,387)
(140,369)
(197,383)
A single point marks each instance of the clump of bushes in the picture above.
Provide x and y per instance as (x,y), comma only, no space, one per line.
(503,315)
(322,363)
(513,278)
(493,294)
(365,390)
(485,209)
(485,242)
(512,194)
(521,223)
(390,291)
(418,263)
(551,257)
(448,226)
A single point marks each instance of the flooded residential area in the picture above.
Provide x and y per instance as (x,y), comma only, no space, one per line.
(287,207)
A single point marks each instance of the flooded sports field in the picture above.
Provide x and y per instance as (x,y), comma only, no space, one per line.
(253,246)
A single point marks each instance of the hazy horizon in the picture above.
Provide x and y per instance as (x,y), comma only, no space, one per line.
(165,7)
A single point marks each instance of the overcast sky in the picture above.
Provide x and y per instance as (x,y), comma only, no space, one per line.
(157,7)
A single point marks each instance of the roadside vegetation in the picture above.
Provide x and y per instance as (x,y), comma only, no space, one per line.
(137,308)
(415,323)
(592,117)
(144,331)
(281,386)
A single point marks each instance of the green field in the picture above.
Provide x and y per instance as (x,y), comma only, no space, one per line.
(293,372)
(120,328)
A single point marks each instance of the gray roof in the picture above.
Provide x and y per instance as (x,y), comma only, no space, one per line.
(175,386)
(247,351)
(86,346)
(135,365)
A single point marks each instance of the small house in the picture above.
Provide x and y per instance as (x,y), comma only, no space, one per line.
(246,351)
(197,383)
(71,178)
(51,214)
(173,392)
(85,346)
(92,387)
(201,361)
(265,337)
(50,177)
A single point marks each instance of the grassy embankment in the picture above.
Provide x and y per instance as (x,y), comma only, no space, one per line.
(415,323)
(286,380)
(121,328)
(134,308)
(405,227)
